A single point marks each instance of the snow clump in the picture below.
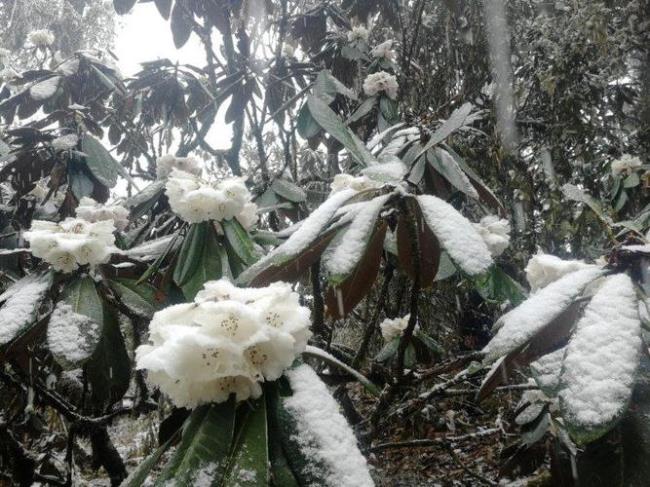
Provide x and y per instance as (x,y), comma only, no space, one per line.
(543,269)
(394,328)
(357,183)
(495,233)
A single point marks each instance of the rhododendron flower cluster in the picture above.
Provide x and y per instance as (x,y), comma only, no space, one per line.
(495,233)
(625,165)
(196,200)
(166,164)
(357,183)
(358,33)
(381,81)
(71,243)
(92,211)
(40,38)
(394,328)
(226,342)
(383,50)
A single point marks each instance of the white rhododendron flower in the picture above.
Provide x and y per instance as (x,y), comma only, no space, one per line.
(357,183)
(71,243)
(288,50)
(394,328)
(226,342)
(40,38)
(381,81)
(495,232)
(543,269)
(358,33)
(166,164)
(92,211)
(627,164)
(196,200)
(383,50)
(65,142)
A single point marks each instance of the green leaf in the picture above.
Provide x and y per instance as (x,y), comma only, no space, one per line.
(331,123)
(209,265)
(140,474)
(306,124)
(181,23)
(459,118)
(388,350)
(123,6)
(142,202)
(82,296)
(496,285)
(204,447)
(362,110)
(239,240)
(99,161)
(249,464)
(445,164)
(190,253)
(632,180)
(139,298)
(388,108)
(288,190)
(326,87)
(109,369)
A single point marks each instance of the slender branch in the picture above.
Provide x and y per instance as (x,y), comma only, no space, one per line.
(443,441)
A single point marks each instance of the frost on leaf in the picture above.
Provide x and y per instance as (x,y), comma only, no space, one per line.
(601,360)
(345,253)
(45,89)
(71,337)
(322,431)
(546,371)
(22,301)
(456,234)
(521,324)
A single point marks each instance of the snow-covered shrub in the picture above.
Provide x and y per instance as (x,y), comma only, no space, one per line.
(597,314)
(92,211)
(196,200)
(227,341)
(381,82)
(358,183)
(71,243)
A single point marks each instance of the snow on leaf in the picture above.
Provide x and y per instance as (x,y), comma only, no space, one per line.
(71,337)
(45,89)
(22,301)
(456,235)
(546,371)
(299,240)
(342,257)
(601,360)
(521,324)
(320,423)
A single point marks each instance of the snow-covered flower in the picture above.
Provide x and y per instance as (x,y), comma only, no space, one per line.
(383,50)
(65,142)
(543,269)
(626,164)
(40,38)
(394,328)
(359,33)
(357,183)
(92,211)
(381,81)
(196,200)
(167,163)
(495,233)
(288,50)
(227,341)
(72,242)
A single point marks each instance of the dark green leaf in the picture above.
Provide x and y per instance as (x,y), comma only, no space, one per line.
(288,190)
(99,161)
(190,253)
(181,23)
(164,7)
(139,298)
(307,126)
(388,350)
(239,240)
(123,6)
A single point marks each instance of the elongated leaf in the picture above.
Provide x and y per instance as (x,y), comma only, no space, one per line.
(138,477)
(445,164)
(239,240)
(326,87)
(427,243)
(496,285)
(123,6)
(204,448)
(164,7)
(459,118)
(209,264)
(601,361)
(249,465)
(181,23)
(306,125)
(21,304)
(139,298)
(288,190)
(100,161)
(190,253)
(331,123)
(342,298)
